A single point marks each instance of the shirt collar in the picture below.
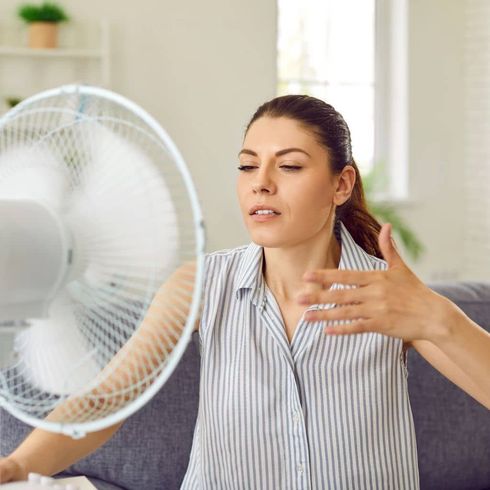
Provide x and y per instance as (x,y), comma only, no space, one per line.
(249,274)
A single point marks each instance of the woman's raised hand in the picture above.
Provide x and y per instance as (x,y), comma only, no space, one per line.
(392,302)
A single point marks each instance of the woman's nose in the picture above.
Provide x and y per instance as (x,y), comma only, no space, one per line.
(259,188)
(263,183)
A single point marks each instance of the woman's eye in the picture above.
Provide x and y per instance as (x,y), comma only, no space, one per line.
(288,168)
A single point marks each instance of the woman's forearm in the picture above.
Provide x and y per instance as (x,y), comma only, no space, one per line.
(467,345)
(47,453)
(131,371)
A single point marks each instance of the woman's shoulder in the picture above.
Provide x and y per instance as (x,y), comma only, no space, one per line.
(220,271)
(216,263)
(225,255)
(223,262)
(227,252)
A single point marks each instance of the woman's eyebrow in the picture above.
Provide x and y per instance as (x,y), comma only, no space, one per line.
(278,154)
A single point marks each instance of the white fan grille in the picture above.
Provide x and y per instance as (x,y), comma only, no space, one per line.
(122,190)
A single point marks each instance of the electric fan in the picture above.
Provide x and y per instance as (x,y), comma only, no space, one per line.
(101,257)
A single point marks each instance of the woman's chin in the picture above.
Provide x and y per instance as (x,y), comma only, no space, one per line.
(268,240)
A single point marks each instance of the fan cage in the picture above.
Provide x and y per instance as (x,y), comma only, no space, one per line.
(71,110)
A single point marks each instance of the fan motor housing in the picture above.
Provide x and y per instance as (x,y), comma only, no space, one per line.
(34,254)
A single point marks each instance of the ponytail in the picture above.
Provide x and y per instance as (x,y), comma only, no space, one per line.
(359,222)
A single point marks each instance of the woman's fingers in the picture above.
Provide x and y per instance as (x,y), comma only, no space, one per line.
(357,326)
(334,296)
(341,276)
(349,312)
(356,316)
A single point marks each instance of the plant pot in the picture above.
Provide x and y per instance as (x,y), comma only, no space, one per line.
(43,35)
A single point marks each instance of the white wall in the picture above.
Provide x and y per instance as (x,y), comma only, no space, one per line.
(436,135)
(202,68)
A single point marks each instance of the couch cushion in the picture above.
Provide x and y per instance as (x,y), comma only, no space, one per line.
(453,429)
(98,484)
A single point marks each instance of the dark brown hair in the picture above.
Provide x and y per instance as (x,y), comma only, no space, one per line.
(332,132)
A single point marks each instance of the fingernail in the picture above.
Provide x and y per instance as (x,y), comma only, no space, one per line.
(309,276)
(303,298)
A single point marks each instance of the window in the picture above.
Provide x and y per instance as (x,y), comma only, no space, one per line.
(352,54)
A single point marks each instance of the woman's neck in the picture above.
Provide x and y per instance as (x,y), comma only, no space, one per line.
(283,268)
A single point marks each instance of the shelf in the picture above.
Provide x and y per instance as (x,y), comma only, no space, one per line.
(51,53)
(83,55)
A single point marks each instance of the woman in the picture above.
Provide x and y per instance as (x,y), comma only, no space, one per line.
(282,404)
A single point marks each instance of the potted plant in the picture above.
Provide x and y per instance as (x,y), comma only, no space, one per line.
(43,23)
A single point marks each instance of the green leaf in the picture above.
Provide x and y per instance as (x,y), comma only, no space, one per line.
(45,12)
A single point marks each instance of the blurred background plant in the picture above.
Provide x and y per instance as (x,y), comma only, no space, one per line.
(45,12)
(42,20)
(387,213)
(12,101)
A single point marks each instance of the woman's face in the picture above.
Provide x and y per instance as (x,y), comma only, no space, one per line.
(285,170)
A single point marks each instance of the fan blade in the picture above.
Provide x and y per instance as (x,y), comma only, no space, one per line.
(32,172)
(121,202)
(53,353)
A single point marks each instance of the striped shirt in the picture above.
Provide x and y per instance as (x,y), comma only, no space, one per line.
(319,412)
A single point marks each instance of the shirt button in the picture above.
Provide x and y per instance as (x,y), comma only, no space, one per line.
(300,468)
(296,416)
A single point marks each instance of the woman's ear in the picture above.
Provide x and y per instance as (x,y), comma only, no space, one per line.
(345,184)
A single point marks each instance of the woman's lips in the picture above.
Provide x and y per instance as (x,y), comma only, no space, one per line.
(263,218)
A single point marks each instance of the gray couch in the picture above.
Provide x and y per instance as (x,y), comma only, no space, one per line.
(151,450)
